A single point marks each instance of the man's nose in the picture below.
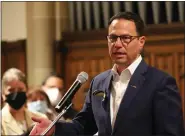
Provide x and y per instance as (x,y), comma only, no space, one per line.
(118,43)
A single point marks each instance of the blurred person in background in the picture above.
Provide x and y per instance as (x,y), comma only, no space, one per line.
(53,85)
(16,119)
(38,101)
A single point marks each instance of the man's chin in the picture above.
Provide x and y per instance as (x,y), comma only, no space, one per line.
(120,61)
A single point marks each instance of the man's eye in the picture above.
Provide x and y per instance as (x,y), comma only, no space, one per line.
(126,37)
(113,37)
(11,90)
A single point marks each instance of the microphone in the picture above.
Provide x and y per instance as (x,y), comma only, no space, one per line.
(66,99)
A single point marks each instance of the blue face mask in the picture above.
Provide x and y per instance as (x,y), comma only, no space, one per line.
(38,106)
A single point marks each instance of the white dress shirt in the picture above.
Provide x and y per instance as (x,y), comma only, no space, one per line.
(119,85)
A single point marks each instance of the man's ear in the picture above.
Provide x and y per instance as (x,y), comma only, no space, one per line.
(142,40)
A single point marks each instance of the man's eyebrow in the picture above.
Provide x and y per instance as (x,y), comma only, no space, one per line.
(51,86)
(120,35)
(10,88)
(113,35)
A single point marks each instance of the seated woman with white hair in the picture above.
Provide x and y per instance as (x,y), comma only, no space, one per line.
(16,118)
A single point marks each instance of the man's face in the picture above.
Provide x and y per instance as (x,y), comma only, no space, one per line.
(124,53)
(54,82)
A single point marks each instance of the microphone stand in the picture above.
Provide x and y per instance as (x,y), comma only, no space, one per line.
(56,119)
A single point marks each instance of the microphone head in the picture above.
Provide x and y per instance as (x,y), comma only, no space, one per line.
(82,77)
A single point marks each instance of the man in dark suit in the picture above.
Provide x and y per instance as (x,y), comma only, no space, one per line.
(131,99)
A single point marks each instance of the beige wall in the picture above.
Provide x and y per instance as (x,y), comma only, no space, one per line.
(14,26)
(13,20)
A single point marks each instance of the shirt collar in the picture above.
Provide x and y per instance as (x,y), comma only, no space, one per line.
(131,68)
(134,65)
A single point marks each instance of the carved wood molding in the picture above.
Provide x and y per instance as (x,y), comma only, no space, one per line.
(19,45)
(155,34)
(159,29)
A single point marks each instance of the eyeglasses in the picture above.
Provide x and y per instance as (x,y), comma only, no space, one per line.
(124,38)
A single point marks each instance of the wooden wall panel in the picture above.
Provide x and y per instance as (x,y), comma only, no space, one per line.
(92,61)
(59,55)
(13,55)
(2,63)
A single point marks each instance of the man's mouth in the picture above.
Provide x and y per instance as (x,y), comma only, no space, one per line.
(119,53)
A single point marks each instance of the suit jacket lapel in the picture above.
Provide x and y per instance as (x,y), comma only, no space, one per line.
(133,88)
(108,82)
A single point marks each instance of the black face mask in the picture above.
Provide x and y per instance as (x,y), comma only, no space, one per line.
(16,100)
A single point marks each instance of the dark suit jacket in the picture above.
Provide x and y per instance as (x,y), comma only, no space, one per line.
(151,106)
